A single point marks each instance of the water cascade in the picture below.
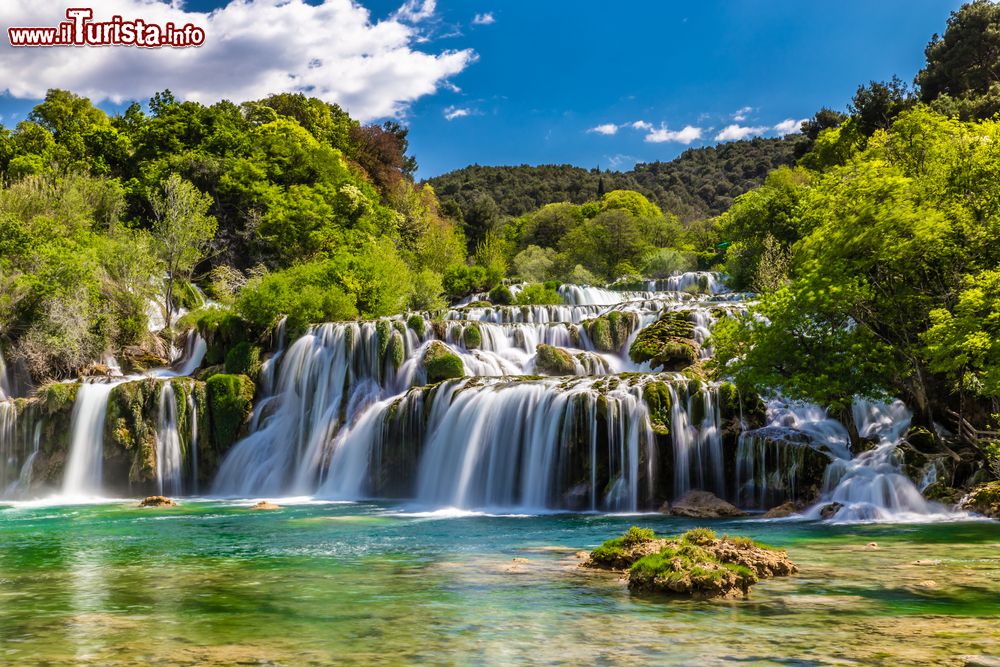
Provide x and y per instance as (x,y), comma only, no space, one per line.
(168,444)
(84,466)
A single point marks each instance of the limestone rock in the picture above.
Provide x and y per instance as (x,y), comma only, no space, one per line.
(703,505)
(265,505)
(157,501)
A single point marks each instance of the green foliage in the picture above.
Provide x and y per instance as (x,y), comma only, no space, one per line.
(535,264)
(243,359)
(667,343)
(537,294)
(666,262)
(472,337)
(614,549)
(307,293)
(501,296)
(230,400)
(416,322)
(426,291)
(462,280)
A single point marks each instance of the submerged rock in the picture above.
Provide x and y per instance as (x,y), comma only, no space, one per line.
(984,499)
(830,510)
(265,505)
(157,501)
(696,564)
(784,510)
(703,505)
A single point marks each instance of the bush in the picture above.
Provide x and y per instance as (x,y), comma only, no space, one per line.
(462,280)
(307,294)
(426,291)
(537,294)
(243,359)
(666,262)
(501,296)
(535,264)
(416,322)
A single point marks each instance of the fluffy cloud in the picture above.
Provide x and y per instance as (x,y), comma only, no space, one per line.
(484,19)
(451,113)
(736,132)
(741,114)
(789,126)
(641,125)
(683,136)
(332,50)
(606,128)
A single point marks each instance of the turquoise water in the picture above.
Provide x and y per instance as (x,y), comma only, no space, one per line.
(217,583)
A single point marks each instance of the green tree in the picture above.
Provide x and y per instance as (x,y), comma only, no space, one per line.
(183,229)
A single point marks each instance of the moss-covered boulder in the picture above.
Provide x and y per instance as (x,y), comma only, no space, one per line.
(440,363)
(696,564)
(230,401)
(416,323)
(395,352)
(472,337)
(222,330)
(243,359)
(609,333)
(501,295)
(667,344)
(984,499)
(659,403)
(551,360)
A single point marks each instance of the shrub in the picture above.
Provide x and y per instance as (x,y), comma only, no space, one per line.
(243,359)
(537,294)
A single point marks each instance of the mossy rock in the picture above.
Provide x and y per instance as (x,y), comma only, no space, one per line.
(59,396)
(396,351)
(609,333)
(746,406)
(416,322)
(660,405)
(230,401)
(667,343)
(984,499)
(696,564)
(472,337)
(222,330)
(243,359)
(501,295)
(440,363)
(551,360)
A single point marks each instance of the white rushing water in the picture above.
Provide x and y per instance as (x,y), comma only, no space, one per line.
(168,444)
(84,466)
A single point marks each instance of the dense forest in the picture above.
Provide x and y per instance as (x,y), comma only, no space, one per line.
(699,183)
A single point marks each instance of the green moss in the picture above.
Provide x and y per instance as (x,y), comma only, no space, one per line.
(984,499)
(416,322)
(222,330)
(396,350)
(599,330)
(230,399)
(700,536)
(59,396)
(613,550)
(501,296)
(440,363)
(472,337)
(243,359)
(551,360)
(610,332)
(659,404)
(383,331)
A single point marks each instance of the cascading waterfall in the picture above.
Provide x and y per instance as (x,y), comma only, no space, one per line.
(84,466)
(4,383)
(698,461)
(168,444)
(193,418)
(872,486)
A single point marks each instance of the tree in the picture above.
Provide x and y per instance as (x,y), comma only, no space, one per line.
(823,119)
(182,229)
(965,61)
(876,105)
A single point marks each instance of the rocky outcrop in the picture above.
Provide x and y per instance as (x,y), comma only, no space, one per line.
(784,510)
(440,363)
(984,499)
(609,333)
(157,501)
(667,344)
(696,564)
(551,360)
(703,505)
(265,505)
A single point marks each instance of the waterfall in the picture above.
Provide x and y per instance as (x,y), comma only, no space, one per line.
(872,486)
(168,444)
(193,418)
(4,383)
(84,464)
(698,460)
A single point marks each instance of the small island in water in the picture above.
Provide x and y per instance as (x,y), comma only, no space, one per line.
(267,398)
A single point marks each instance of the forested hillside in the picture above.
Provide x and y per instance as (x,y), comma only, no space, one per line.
(699,183)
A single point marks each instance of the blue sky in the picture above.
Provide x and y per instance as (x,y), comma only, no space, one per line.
(529,81)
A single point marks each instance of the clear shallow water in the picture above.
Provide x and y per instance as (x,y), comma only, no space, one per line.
(216,583)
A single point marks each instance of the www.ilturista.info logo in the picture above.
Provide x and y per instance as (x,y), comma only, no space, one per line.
(80,30)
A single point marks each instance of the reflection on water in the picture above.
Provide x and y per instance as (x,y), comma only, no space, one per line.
(211,583)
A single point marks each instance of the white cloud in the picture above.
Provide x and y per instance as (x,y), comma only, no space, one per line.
(741,114)
(606,128)
(789,126)
(415,11)
(332,50)
(735,132)
(683,136)
(486,18)
(451,113)
(641,125)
